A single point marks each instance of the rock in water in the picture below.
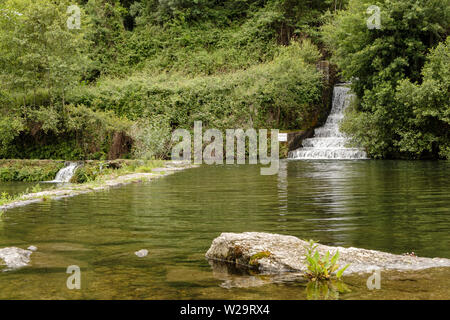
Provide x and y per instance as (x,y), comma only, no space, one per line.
(32,248)
(15,257)
(274,253)
(141,253)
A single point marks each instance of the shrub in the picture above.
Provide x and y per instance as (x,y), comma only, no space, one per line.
(69,132)
(152,138)
(86,173)
(283,93)
(10,127)
(171,62)
(29,170)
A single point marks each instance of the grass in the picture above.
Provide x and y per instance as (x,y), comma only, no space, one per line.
(99,170)
(136,166)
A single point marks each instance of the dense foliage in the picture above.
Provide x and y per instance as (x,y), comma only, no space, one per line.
(427,128)
(161,64)
(403,106)
(137,70)
(283,93)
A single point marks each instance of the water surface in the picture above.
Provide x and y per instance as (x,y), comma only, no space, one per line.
(394,206)
(15,188)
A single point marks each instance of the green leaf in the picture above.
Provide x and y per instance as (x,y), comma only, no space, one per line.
(340,272)
(335,258)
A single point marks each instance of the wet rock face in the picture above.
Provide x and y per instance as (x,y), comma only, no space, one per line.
(14,257)
(273,253)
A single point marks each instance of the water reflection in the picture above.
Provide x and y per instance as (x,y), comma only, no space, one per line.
(15,188)
(236,276)
(326,290)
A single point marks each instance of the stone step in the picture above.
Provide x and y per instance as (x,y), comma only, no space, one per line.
(328,132)
(328,153)
(334,118)
(325,143)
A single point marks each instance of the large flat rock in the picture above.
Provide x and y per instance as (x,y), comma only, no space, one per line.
(274,253)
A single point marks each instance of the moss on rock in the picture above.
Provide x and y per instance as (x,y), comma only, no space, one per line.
(257,256)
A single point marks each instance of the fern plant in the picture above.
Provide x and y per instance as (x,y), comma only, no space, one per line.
(322,268)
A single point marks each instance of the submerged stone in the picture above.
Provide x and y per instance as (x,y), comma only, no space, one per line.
(274,253)
(141,253)
(15,258)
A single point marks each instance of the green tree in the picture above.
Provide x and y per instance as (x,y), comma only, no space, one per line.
(427,130)
(38,50)
(107,36)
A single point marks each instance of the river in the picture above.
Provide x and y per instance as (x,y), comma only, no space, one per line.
(393,206)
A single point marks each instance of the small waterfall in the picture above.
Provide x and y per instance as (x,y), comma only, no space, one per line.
(66,173)
(328,142)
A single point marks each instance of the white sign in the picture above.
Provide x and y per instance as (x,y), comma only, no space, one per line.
(282,137)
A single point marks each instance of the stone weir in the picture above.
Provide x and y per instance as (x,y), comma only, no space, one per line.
(328,142)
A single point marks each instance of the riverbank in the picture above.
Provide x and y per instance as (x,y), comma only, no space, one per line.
(128,172)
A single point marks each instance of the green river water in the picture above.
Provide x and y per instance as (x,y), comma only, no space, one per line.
(393,206)
(16,188)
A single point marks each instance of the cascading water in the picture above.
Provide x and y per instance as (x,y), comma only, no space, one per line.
(328,142)
(66,173)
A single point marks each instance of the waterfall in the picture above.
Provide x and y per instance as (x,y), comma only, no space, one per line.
(328,142)
(66,173)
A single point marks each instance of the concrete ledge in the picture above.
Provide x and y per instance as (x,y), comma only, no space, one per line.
(72,190)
